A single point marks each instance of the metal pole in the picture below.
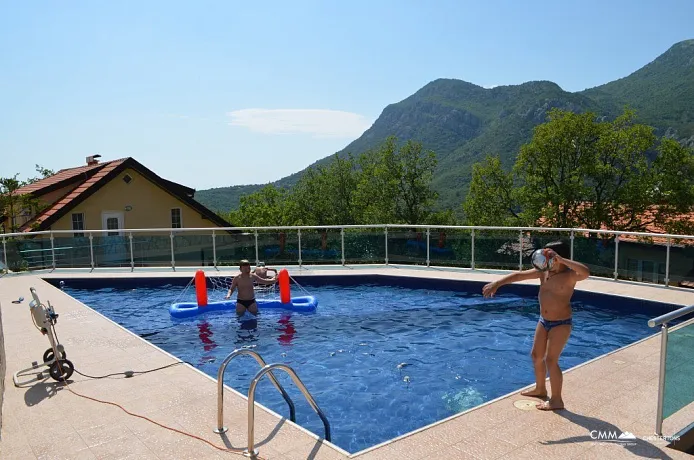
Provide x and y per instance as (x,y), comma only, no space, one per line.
(428,233)
(173,259)
(342,237)
(472,262)
(661,380)
(520,250)
(572,245)
(616,256)
(214,249)
(91,249)
(132,257)
(667,264)
(4,253)
(52,251)
(256,247)
(299,235)
(386,245)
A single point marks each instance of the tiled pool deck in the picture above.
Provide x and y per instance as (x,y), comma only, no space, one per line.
(616,393)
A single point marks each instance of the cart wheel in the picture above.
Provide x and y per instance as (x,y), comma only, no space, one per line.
(48,355)
(61,370)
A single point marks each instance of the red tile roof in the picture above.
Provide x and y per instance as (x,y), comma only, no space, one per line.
(64,176)
(104,169)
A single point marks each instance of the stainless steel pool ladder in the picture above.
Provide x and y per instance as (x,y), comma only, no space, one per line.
(266,369)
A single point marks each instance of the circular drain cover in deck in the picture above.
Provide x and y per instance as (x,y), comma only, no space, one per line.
(526,404)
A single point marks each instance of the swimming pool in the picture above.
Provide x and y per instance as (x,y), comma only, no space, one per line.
(381,360)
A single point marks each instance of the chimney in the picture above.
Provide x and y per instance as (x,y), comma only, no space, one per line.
(92,160)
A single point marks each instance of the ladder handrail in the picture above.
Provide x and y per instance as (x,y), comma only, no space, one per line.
(220,386)
(251,452)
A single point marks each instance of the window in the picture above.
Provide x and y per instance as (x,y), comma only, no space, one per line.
(78,224)
(127,179)
(176,221)
(112,224)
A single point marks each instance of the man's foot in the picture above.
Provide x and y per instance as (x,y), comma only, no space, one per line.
(535,393)
(552,404)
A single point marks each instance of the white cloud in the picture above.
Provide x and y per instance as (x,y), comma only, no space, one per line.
(319,122)
(489,86)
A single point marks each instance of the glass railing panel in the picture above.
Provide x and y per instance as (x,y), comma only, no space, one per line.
(407,246)
(682,262)
(278,247)
(365,245)
(150,249)
(642,259)
(72,251)
(28,253)
(449,247)
(193,249)
(321,246)
(232,247)
(679,370)
(497,249)
(596,251)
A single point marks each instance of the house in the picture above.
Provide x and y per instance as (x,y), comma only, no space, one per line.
(115,196)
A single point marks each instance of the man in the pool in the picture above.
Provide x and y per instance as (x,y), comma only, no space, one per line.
(553,330)
(245,300)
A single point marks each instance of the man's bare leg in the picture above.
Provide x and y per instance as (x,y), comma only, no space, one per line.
(538,356)
(556,341)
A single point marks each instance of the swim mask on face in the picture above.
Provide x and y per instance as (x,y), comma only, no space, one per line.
(540,261)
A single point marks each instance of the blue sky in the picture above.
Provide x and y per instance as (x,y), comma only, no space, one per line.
(221,93)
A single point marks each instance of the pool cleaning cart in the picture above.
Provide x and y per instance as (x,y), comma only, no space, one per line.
(45,318)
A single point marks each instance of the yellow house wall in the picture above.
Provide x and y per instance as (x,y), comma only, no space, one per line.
(151,206)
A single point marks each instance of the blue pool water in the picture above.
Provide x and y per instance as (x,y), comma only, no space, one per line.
(459,349)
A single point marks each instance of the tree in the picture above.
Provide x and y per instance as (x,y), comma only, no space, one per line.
(14,204)
(395,183)
(490,200)
(270,206)
(578,171)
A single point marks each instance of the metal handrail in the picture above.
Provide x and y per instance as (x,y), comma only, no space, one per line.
(251,451)
(337,227)
(663,321)
(220,387)
(666,318)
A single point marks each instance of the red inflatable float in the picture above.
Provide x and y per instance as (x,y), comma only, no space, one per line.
(283,280)
(201,288)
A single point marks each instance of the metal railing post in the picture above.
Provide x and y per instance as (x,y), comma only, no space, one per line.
(298,232)
(173,258)
(342,237)
(386,244)
(4,253)
(132,256)
(572,244)
(667,264)
(520,250)
(52,251)
(214,249)
(91,249)
(661,380)
(428,233)
(616,257)
(472,260)
(256,247)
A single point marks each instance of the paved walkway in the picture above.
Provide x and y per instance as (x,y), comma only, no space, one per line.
(615,393)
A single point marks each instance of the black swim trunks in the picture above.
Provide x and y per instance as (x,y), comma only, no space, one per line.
(246,303)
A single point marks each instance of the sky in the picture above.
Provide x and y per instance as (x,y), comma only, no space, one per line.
(219,93)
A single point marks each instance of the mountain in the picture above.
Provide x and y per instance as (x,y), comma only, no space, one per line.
(463,122)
